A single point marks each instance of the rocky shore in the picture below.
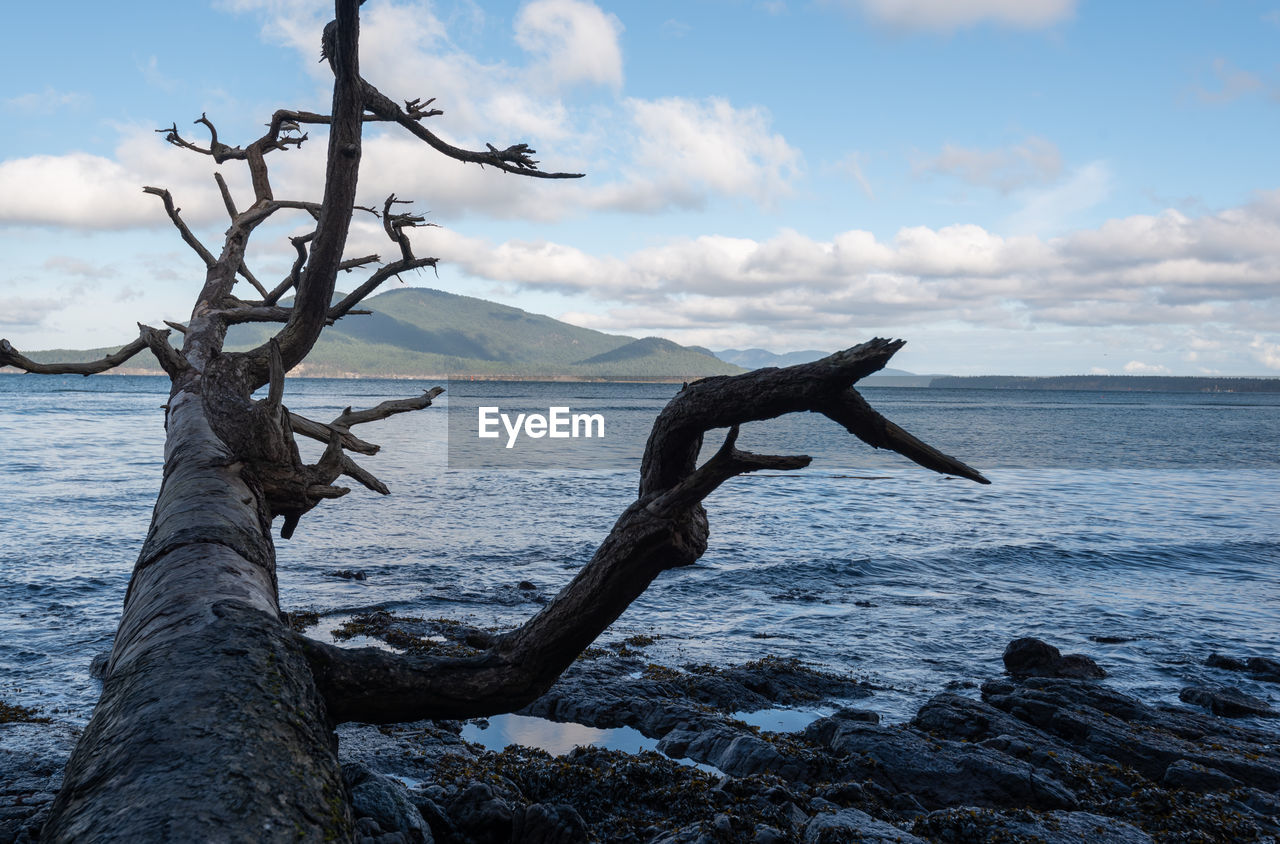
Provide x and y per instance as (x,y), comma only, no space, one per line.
(1046,753)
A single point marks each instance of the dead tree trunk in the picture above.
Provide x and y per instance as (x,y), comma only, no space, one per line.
(216,721)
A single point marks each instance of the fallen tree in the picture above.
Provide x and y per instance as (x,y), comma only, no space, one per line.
(216,720)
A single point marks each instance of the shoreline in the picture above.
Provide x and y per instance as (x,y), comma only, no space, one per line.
(1046,752)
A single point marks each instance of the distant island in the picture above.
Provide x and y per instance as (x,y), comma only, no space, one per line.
(418,332)
(1110,383)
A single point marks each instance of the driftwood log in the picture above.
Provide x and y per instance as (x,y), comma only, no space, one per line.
(216,721)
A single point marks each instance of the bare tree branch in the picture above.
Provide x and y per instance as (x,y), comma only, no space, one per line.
(320,431)
(517,158)
(371,284)
(248,276)
(227,201)
(664,528)
(9,356)
(190,239)
(728,462)
(350,417)
(357,473)
(171,360)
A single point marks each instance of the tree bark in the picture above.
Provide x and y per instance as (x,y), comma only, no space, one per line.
(210,727)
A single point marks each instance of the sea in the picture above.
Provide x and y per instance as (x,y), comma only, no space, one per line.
(1142,529)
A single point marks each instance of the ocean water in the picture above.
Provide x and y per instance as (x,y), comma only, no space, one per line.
(1149,520)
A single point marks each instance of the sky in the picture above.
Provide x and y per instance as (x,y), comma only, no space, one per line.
(1027,187)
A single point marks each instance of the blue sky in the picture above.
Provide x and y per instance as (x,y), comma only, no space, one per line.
(1013,186)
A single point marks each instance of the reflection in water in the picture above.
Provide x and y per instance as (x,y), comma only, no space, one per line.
(781,720)
(553,737)
(559,738)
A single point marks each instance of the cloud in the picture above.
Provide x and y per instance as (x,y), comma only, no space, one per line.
(1137,367)
(1035,161)
(1219,269)
(950,15)
(1229,83)
(66,265)
(1268,354)
(685,150)
(150,70)
(643,155)
(79,190)
(573,41)
(48,101)
(672,28)
(17,312)
(851,164)
(85,191)
(1055,208)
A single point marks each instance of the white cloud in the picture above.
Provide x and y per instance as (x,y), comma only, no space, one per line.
(1145,271)
(1033,161)
(75,190)
(851,164)
(1229,83)
(87,191)
(1268,354)
(67,265)
(1137,367)
(150,70)
(672,28)
(949,15)
(685,150)
(573,41)
(1053,209)
(675,152)
(17,312)
(47,101)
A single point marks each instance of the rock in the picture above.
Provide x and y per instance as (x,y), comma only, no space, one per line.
(98,665)
(347,574)
(481,815)
(1108,727)
(691,834)
(865,715)
(1192,777)
(850,825)
(1226,663)
(938,773)
(730,749)
(965,824)
(552,824)
(769,835)
(1078,666)
(386,801)
(1227,701)
(526,586)
(1264,668)
(1030,657)
(435,815)
(1261,667)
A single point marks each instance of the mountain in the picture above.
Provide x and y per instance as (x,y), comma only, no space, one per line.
(760,358)
(418,331)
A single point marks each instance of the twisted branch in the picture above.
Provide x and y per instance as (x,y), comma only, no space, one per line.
(664,528)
